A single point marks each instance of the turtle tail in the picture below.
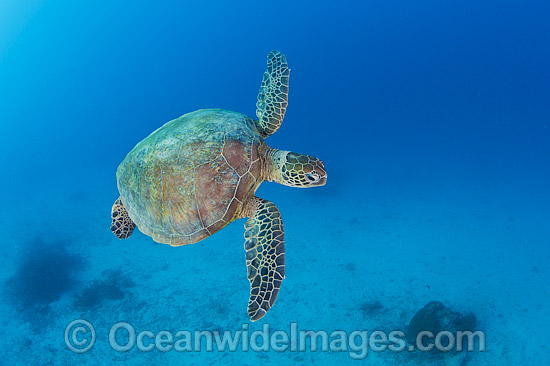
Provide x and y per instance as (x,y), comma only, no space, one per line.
(122,226)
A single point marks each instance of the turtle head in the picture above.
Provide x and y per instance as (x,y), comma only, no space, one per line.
(297,170)
(303,171)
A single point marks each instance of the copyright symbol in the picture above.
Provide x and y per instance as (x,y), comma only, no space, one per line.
(80,336)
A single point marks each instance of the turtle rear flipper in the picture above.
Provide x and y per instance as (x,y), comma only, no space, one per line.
(265,255)
(122,226)
(273,95)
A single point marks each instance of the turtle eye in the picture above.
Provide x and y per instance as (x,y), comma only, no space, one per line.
(312,178)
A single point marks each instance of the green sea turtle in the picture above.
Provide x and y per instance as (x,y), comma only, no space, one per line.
(199,172)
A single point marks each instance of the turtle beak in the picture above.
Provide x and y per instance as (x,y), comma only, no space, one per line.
(320,169)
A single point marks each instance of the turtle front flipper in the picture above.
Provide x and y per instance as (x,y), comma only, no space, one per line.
(273,95)
(122,226)
(265,254)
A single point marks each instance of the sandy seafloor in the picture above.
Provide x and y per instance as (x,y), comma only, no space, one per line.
(405,240)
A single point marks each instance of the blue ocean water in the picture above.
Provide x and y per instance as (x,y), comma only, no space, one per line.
(431,117)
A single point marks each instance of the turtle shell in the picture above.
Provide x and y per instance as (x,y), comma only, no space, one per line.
(189,178)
